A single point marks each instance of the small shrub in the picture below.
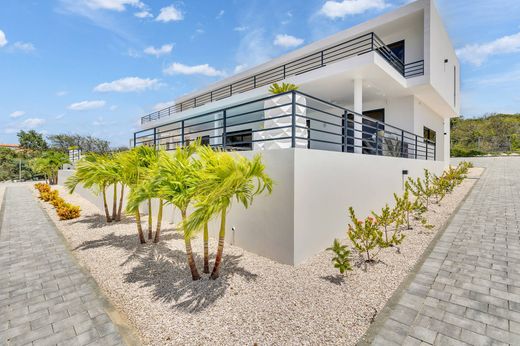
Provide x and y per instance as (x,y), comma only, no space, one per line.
(42,187)
(57,202)
(365,236)
(68,211)
(342,256)
(405,206)
(386,219)
(49,196)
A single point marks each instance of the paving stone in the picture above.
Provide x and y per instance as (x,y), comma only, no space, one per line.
(45,298)
(473,271)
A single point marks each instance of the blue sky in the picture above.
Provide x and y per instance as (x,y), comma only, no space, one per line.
(95,66)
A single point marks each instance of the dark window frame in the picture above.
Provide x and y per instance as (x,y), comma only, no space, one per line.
(243,142)
(397,44)
(429,134)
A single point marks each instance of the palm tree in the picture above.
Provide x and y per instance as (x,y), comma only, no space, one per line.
(135,164)
(177,186)
(223,178)
(91,172)
(48,164)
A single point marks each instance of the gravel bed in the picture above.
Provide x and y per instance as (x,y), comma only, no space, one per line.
(255,300)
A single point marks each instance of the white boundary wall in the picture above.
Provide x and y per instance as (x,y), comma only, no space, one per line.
(309,205)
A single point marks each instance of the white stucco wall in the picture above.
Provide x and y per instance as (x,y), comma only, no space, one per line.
(308,207)
(425,116)
(441,73)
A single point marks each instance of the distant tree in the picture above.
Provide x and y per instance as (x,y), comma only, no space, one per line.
(87,144)
(32,140)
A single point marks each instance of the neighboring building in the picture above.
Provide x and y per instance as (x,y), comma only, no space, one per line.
(374,107)
(10,146)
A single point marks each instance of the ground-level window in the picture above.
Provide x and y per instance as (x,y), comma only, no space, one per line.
(241,139)
(429,134)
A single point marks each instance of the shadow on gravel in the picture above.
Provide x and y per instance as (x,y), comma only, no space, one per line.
(167,272)
(337,279)
(98,221)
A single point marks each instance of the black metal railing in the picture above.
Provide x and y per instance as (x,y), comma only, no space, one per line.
(289,120)
(353,47)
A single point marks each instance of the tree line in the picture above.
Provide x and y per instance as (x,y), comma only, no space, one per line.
(489,134)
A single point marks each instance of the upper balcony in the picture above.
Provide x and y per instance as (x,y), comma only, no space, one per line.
(360,45)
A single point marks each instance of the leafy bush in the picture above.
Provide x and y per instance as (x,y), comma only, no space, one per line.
(365,236)
(41,187)
(57,202)
(280,89)
(342,256)
(49,196)
(68,211)
(386,219)
(405,206)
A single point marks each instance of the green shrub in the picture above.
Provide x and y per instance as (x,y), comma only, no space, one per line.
(342,256)
(365,236)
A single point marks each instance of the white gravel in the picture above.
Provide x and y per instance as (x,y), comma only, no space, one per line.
(255,300)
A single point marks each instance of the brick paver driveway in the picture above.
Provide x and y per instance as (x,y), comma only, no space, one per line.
(45,298)
(468,289)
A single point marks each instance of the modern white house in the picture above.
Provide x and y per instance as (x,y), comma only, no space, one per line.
(373,107)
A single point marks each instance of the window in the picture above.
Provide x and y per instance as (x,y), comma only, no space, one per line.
(204,140)
(241,139)
(429,134)
(398,49)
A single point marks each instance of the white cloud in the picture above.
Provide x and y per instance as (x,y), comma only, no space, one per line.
(168,14)
(113,107)
(163,50)
(205,69)
(335,9)
(3,39)
(220,14)
(239,68)
(100,121)
(476,54)
(86,105)
(59,116)
(128,84)
(32,123)
(24,46)
(61,93)
(16,114)
(113,5)
(287,41)
(240,28)
(162,105)
(143,14)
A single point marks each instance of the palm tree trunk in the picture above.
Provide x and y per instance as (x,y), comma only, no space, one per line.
(105,205)
(121,202)
(139,226)
(221,235)
(114,203)
(159,221)
(206,250)
(187,241)
(149,218)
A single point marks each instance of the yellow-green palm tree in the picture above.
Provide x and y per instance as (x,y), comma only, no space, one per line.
(177,184)
(135,164)
(225,177)
(91,172)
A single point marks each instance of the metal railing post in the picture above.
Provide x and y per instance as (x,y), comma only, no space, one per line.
(402,143)
(426,144)
(377,138)
(254,82)
(416,147)
(224,129)
(344,131)
(182,133)
(293,108)
(135,139)
(155,138)
(283,71)
(211,96)
(434,151)
(372,40)
(231,90)
(322,64)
